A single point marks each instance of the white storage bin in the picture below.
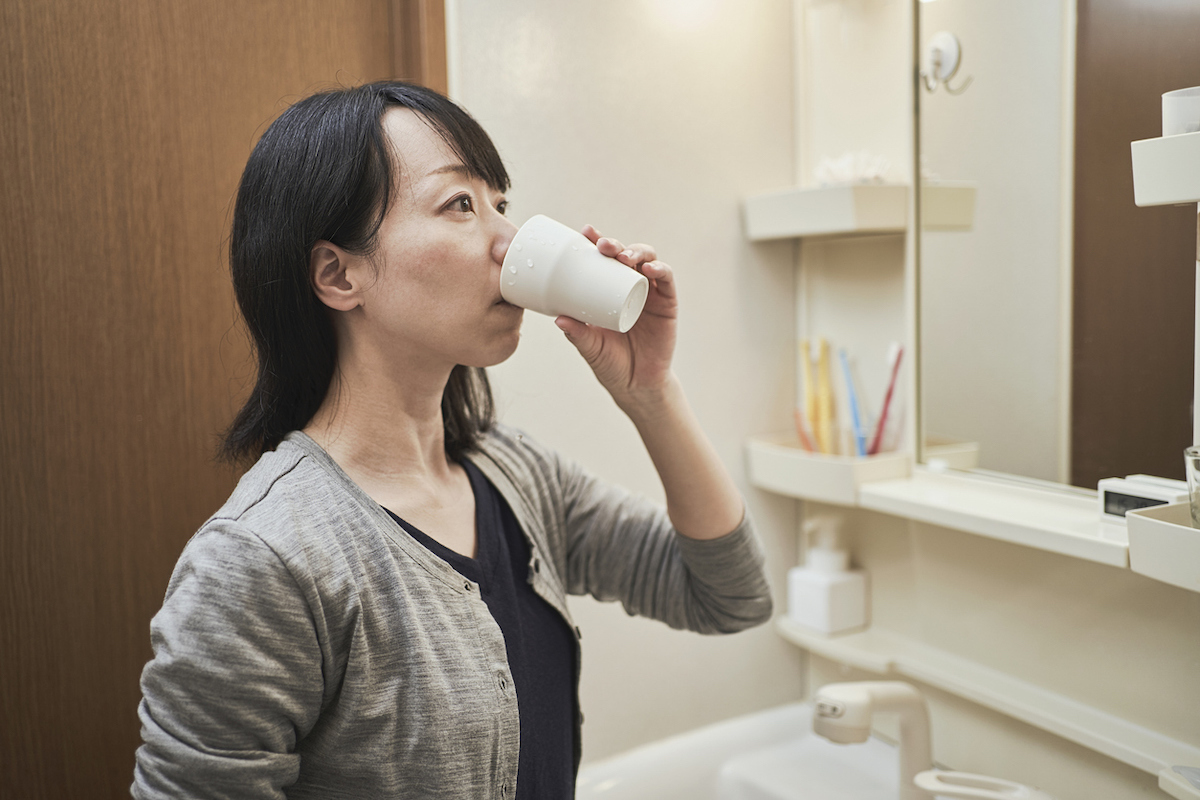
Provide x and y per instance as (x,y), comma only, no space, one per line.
(1163,544)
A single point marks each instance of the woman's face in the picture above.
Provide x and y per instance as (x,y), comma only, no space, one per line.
(441,247)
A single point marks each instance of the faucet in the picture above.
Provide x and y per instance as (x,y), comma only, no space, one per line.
(842,713)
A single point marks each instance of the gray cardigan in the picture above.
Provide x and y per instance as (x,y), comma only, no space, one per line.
(308,647)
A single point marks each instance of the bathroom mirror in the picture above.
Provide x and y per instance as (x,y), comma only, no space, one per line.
(1056,318)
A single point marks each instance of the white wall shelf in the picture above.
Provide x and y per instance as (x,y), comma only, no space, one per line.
(1163,545)
(885,652)
(855,210)
(778,464)
(1060,522)
(1166,170)
(1047,519)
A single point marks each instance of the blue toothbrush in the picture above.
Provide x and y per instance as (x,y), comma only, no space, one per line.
(860,440)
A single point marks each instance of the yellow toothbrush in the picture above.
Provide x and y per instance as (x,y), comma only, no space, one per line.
(804,412)
(810,395)
(824,418)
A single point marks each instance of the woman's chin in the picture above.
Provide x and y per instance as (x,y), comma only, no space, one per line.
(499,352)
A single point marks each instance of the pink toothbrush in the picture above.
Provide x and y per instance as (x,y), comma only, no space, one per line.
(894,355)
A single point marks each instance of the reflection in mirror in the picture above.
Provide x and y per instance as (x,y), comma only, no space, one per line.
(1032,253)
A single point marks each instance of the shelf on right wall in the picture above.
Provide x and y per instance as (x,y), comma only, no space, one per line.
(865,209)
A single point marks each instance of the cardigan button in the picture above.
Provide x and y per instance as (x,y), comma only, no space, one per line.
(537,565)
(467,586)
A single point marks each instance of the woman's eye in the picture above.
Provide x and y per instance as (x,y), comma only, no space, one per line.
(502,206)
(463,204)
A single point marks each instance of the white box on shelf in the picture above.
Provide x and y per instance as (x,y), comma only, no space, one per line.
(1163,544)
(778,464)
(828,211)
(827,603)
(1166,170)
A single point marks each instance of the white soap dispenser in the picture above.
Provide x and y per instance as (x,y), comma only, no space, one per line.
(825,594)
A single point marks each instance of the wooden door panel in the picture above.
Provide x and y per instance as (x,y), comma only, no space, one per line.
(1134,281)
(124,127)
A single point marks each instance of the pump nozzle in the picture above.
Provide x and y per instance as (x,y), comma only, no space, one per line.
(823,552)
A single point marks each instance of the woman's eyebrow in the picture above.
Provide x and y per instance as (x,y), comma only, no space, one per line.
(459,168)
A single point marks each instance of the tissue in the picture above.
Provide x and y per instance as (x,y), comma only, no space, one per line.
(860,167)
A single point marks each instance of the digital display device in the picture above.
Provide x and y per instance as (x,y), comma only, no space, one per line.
(1118,504)
(1119,496)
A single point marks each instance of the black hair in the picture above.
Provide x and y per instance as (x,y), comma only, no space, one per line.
(324,171)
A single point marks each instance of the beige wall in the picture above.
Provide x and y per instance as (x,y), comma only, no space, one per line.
(652,120)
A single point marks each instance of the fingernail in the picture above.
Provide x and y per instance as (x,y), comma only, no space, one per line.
(627,253)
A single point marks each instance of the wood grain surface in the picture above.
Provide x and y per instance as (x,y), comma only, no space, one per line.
(1134,303)
(124,127)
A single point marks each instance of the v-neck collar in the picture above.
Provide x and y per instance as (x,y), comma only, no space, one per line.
(400,537)
(488,553)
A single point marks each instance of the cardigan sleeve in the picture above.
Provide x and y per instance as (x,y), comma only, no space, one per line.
(621,546)
(236,675)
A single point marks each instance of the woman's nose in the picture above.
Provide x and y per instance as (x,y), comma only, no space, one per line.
(506,231)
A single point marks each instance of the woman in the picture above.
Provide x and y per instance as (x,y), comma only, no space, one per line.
(379,610)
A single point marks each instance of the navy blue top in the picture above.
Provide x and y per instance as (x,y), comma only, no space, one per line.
(541,646)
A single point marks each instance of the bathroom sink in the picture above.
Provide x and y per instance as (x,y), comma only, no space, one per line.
(770,755)
(811,768)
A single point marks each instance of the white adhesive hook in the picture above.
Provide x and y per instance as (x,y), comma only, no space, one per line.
(943,56)
(968,786)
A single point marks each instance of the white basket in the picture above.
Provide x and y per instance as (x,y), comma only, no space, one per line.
(1163,544)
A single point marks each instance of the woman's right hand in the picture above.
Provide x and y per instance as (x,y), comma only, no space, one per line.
(635,367)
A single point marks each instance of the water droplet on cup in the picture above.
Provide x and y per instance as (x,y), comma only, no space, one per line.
(517,245)
(512,268)
(573,247)
(512,283)
(529,261)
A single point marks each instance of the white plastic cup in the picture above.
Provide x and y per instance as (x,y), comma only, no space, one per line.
(1181,111)
(553,270)
(1191,462)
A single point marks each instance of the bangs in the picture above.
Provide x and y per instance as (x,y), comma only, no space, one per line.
(459,130)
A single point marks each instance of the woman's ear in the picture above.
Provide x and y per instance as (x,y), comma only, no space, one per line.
(334,276)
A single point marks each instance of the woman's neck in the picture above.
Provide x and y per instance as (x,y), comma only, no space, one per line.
(380,427)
